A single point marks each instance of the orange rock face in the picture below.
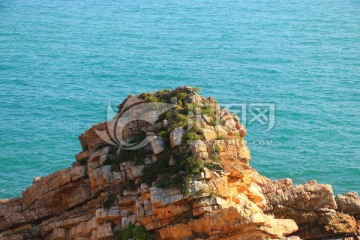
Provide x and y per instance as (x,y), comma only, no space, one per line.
(107,189)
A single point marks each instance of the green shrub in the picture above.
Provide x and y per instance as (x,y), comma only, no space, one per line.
(216,157)
(165,181)
(149,97)
(183,183)
(129,186)
(177,176)
(217,149)
(152,171)
(164,134)
(138,155)
(109,201)
(135,233)
(175,119)
(165,115)
(189,108)
(213,166)
(179,120)
(186,164)
(164,95)
(181,97)
(216,120)
(213,122)
(208,110)
(175,180)
(197,128)
(193,165)
(196,89)
(191,136)
(160,96)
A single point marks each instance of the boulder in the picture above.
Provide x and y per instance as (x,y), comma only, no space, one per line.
(176,137)
(157,145)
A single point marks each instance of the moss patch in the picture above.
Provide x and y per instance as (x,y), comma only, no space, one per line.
(208,110)
(177,176)
(184,163)
(192,136)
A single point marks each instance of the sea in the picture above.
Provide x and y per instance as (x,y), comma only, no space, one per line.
(290,69)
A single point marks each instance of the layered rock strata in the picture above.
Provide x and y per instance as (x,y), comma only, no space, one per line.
(189,178)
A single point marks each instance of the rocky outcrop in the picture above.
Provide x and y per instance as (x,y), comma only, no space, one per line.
(313,207)
(184,176)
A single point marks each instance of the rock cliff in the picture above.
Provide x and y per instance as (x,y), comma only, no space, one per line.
(173,165)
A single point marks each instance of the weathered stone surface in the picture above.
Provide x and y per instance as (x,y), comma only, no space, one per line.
(209,133)
(90,140)
(312,203)
(157,145)
(106,215)
(220,131)
(103,231)
(162,197)
(219,223)
(309,197)
(57,234)
(82,155)
(137,171)
(338,222)
(349,203)
(176,137)
(100,178)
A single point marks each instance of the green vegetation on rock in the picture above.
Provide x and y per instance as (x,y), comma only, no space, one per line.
(192,136)
(109,201)
(177,176)
(135,233)
(149,97)
(208,110)
(175,167)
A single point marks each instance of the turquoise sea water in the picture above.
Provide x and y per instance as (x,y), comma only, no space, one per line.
(61,62)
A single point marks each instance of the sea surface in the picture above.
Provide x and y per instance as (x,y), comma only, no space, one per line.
(62,62)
